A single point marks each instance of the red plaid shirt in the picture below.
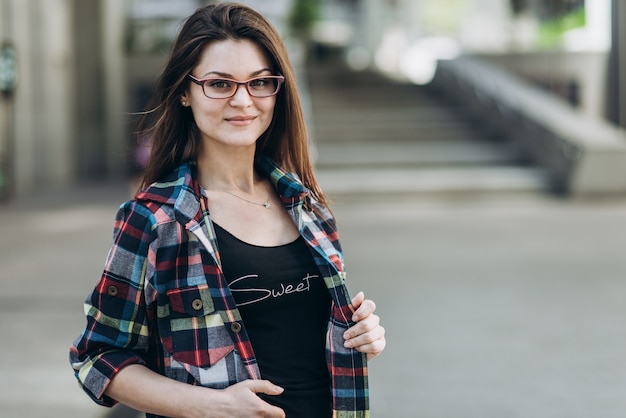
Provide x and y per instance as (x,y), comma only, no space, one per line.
(163,300)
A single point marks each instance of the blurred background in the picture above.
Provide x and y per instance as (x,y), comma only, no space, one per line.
(474,150)
(73,72)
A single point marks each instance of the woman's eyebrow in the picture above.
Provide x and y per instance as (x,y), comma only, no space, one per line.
(227,75)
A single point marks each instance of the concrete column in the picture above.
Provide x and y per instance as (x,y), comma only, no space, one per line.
(24,148)
(42,117)
(7,104)
(617,82)
(115,87)
(374,23)
(55,151)
(89,99)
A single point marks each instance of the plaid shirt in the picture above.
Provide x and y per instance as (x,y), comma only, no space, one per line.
(163,300)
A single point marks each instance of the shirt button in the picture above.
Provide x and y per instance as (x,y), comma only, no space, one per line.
(196,304)
(235,327)
(112,290)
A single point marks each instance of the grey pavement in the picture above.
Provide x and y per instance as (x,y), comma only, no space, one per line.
(495,305)
(52,250)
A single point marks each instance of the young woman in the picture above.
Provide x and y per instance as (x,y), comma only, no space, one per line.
(223,294)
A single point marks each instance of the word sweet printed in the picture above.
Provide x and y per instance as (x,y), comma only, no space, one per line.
(257,294)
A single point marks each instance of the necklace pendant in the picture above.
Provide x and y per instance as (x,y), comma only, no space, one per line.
(267,205)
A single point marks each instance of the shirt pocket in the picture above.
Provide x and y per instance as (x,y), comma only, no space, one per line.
(196,334)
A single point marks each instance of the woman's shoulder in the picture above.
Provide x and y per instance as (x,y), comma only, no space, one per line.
(137,213)
(169,188)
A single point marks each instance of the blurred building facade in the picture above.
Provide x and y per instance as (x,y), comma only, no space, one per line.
(64,120)
(562,45)
(83,66)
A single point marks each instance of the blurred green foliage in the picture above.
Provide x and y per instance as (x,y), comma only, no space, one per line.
(304,14)
(551,31)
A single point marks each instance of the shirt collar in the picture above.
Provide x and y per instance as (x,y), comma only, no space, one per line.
(181,189)
(287,185)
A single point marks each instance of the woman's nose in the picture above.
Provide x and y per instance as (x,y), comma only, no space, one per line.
(241,96)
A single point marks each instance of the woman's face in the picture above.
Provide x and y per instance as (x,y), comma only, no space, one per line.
(240,120)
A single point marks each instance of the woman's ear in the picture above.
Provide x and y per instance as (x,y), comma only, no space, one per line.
(184,101)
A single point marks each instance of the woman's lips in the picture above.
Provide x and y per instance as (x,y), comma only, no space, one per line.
(241,120)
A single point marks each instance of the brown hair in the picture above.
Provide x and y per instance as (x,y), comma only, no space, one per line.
(170,126)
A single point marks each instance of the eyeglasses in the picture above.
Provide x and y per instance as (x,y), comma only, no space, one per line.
(224,88)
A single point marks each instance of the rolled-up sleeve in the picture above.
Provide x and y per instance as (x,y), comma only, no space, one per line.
(117,329)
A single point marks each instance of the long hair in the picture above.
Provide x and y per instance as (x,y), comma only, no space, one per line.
(170,126)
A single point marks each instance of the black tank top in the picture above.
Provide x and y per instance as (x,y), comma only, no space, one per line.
(285,307)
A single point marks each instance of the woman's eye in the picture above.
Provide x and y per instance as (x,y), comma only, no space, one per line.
(219,84)
(259,82)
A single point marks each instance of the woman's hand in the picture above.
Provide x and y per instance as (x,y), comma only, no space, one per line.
(242,400)
(367,336)
(145,390)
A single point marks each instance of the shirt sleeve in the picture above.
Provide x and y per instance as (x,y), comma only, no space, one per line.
(117,331)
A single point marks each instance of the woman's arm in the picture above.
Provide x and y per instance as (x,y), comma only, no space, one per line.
(144,390)
(367,336)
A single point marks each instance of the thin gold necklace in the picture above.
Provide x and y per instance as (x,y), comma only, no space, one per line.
(266,204)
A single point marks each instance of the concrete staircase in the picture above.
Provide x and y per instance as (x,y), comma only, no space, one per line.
(376,135)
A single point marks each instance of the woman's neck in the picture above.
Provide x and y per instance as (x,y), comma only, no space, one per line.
(228,171)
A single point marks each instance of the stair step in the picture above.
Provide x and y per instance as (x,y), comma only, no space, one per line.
(332,111)
(433,180)
(417,153)
(374,135)
(384,132)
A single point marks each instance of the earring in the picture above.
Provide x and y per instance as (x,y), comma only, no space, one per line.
(183,102)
